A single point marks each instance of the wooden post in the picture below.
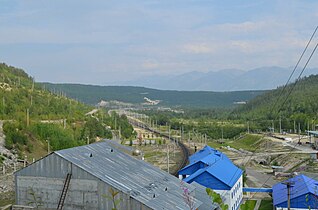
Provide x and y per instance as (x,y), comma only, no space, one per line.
(27,117)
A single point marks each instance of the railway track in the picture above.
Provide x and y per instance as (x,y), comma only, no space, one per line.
(184,150)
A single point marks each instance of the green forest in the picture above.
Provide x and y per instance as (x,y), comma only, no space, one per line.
(37,120)
(92,94)
(297,103)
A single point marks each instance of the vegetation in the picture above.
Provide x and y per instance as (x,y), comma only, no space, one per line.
(266,204)
(91,94)
(36,117)
(248,205)
(300,106)
(112,196)
(121,122)
(216,198)
(248,142)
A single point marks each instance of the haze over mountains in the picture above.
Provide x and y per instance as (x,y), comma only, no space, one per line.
(264,78)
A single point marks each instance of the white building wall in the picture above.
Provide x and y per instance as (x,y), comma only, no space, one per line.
(280,208)
(233,197)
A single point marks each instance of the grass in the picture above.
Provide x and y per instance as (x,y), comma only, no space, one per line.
(266,205)
(250,204)
(248,142)
(6,198)
(215,144)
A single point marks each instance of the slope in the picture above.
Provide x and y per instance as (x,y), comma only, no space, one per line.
(35,120)
(92,94)
(302,104)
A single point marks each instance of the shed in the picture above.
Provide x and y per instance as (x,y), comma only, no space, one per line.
(85,175)
(303,193)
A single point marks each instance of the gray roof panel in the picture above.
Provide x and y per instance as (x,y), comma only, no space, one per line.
(144,182)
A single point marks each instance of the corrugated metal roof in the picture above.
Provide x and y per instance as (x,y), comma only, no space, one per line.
(207,151)
(302,187)
(223,171)
(144,182)
(216,164)
(313,133)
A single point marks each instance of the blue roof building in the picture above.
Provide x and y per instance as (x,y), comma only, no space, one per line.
(213,169)
(303,193)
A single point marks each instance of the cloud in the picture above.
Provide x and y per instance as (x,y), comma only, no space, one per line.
(198,48)
(150,64)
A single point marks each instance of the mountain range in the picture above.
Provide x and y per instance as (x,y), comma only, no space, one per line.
(264,78)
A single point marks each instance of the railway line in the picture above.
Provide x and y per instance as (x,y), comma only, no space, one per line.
(184,149)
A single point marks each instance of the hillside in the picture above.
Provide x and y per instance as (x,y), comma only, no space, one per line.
(19,93)
(301,105)
(92,94)
(32,118)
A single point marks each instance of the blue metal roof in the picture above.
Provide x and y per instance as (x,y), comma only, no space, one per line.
(224,171)
(204,162)
(257,190)
(303,192)
(213,169)
(207,151)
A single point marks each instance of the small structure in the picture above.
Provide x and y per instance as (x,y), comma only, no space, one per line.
(314,156)
(303,194)
(213,169)
(277,169)
(313,138)
(87,177)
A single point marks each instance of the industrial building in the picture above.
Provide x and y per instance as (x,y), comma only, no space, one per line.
(85,177)
(213,169)
(303,193)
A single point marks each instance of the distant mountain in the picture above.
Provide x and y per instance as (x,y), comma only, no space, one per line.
(265,78)
(92,94)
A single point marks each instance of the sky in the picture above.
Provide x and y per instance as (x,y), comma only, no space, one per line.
(106,41)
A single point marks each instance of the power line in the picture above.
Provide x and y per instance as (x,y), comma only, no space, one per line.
(291,75)
(305,66)
(298,79)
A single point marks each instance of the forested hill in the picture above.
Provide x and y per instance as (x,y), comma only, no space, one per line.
(92,94)
(19,94)
(302,104)
(34,116)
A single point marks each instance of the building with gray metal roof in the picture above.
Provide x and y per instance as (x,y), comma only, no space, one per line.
(82,177)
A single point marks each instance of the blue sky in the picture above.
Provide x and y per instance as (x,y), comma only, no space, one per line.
(101,42)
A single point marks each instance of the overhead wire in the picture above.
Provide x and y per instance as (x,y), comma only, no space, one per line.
(300,58)
(294,85)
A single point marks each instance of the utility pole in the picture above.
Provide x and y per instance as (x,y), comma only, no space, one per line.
(48,146)
(288,185)
(280,124)
(3,105)
(248,127)
(273,126)
(115,122)
(299,132)
(222,132)
(27,117)
(295,127)
(168,158)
